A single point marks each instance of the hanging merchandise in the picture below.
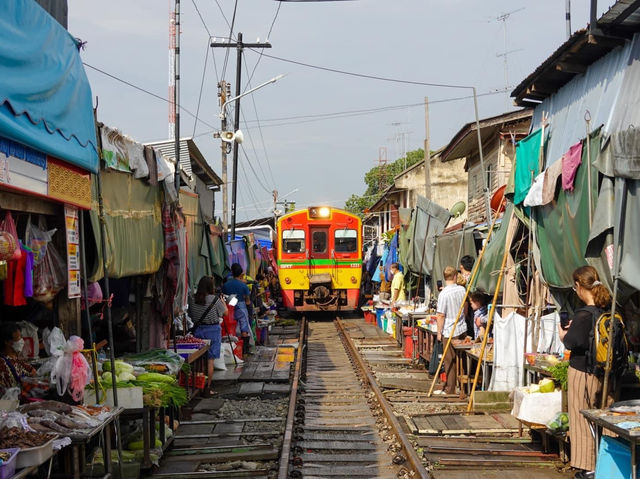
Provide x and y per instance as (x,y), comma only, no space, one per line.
(71,369)
(527,164)
(37,238)
(570,162)
(49,277)
(9,244)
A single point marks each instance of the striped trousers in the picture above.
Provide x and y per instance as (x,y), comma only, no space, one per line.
(584,392)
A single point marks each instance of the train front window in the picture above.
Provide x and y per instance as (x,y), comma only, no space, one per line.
(346,241)
(319,242)
(293,241)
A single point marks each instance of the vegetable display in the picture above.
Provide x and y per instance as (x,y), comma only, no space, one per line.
(560,372)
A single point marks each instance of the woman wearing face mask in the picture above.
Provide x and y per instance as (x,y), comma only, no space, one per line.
(12,368)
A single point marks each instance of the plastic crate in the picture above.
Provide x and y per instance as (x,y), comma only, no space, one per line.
(34,456)
(8,468)
(201,380)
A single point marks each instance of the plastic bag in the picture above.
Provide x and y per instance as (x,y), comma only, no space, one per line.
(14,419)
(37,238)
(29,333)
(9,242)
(71,370)
(559,424)
(49,277)
(11,394)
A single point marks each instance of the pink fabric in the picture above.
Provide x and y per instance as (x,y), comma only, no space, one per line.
(570,162)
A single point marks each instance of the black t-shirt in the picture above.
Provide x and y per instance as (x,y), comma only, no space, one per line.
(577,338)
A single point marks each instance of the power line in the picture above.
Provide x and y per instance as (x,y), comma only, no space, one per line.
(204,24)
(147,92)
(264,146)
(233,21)
(204,74)
(273,22)
(253,147)
(254,171)
(360,75)
(222,13)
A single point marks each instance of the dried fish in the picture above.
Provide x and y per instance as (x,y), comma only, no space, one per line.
(55,406)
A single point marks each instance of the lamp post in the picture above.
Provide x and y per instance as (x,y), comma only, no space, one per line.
(237,137)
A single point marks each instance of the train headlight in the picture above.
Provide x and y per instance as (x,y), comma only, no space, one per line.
(287,280)
(324,212)
(354,280)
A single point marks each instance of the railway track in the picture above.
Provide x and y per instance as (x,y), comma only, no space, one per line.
(339,424)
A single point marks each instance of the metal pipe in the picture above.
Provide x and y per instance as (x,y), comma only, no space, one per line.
(593,15)
(567,16)
(485,188)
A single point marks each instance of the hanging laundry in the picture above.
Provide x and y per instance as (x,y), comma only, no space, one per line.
(119,152)
(28,271)
(570,162)
(534,197)
(150,159)
(527,161)
(14,285)
(550,182)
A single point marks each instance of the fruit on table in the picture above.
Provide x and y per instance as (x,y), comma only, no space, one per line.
(550,358)
(547,385)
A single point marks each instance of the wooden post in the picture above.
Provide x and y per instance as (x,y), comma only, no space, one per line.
(507,247)
(476,268)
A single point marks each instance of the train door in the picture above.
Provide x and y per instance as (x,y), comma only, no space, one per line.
(319,247)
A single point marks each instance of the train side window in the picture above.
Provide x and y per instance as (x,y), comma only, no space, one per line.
(293,241)
(319,242)
(346,241)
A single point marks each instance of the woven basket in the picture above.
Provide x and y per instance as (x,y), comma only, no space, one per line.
(7,245)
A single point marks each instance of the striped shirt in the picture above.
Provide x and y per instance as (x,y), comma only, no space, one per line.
(213,316)
(449,302)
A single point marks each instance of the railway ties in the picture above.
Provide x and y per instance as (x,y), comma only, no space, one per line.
(339,430)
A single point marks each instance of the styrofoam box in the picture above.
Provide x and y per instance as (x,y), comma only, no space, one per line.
(128,398)
(34,456)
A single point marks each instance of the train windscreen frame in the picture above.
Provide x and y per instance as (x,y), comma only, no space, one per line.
(345,240)
(293,241)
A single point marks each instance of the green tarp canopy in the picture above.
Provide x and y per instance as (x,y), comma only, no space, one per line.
(449,249)
(562,227)
(428,220)
(207,254)
(487,276)
(133,224)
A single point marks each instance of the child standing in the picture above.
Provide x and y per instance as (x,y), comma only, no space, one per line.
(478,303)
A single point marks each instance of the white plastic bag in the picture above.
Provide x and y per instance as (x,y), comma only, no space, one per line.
(71,370)
(29,333)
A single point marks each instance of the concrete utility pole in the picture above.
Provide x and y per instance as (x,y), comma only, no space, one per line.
(224,89)
(427,152)
(174,86)
(239,45)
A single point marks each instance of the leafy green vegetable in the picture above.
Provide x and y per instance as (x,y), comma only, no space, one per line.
(560,373)
(167,394)
(156,378)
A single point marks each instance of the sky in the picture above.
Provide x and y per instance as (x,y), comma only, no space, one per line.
(294,141)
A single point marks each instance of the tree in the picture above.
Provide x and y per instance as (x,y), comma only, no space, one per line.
(378,179)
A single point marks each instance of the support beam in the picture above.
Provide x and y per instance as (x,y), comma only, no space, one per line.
(568,67)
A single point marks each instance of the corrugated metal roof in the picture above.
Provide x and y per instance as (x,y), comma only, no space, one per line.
(192,161)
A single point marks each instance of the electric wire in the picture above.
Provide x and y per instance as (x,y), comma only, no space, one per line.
(360,75)
(114,77)
(273,22)
(254,171)
(264,146)
(204,74)
(204,24)
(222,13)
(253,147)
(233,21)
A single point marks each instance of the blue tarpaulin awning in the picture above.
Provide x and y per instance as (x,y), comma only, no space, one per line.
(45,97)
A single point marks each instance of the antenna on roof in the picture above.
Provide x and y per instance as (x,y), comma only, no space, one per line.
(505,53)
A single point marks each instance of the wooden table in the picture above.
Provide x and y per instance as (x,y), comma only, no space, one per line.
(486,366)
(74,455)
(463,379)
(426,340)
(533,373)
(605,419)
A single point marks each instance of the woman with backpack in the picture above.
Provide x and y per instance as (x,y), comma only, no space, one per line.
(585,388)
(206,310)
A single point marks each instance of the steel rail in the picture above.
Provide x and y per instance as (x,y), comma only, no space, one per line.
(283,470)
(408,450)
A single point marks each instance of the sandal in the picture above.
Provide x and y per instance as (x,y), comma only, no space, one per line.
(208,393)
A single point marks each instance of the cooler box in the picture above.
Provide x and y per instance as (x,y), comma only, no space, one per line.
(614,459)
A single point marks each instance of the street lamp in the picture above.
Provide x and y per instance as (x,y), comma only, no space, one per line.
(236,137)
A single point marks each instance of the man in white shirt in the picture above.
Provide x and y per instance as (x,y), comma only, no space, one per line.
(449,302)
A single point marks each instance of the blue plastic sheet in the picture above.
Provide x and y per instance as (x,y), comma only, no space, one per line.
(45,97)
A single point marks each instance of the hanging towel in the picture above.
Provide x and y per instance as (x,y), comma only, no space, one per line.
(534,197)
(570,162)
(550,182)
(527,159)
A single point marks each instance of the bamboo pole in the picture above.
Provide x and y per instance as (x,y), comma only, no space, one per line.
(489,320)
(474,273)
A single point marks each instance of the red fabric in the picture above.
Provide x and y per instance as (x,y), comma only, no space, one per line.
(14,284)
(228,322)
